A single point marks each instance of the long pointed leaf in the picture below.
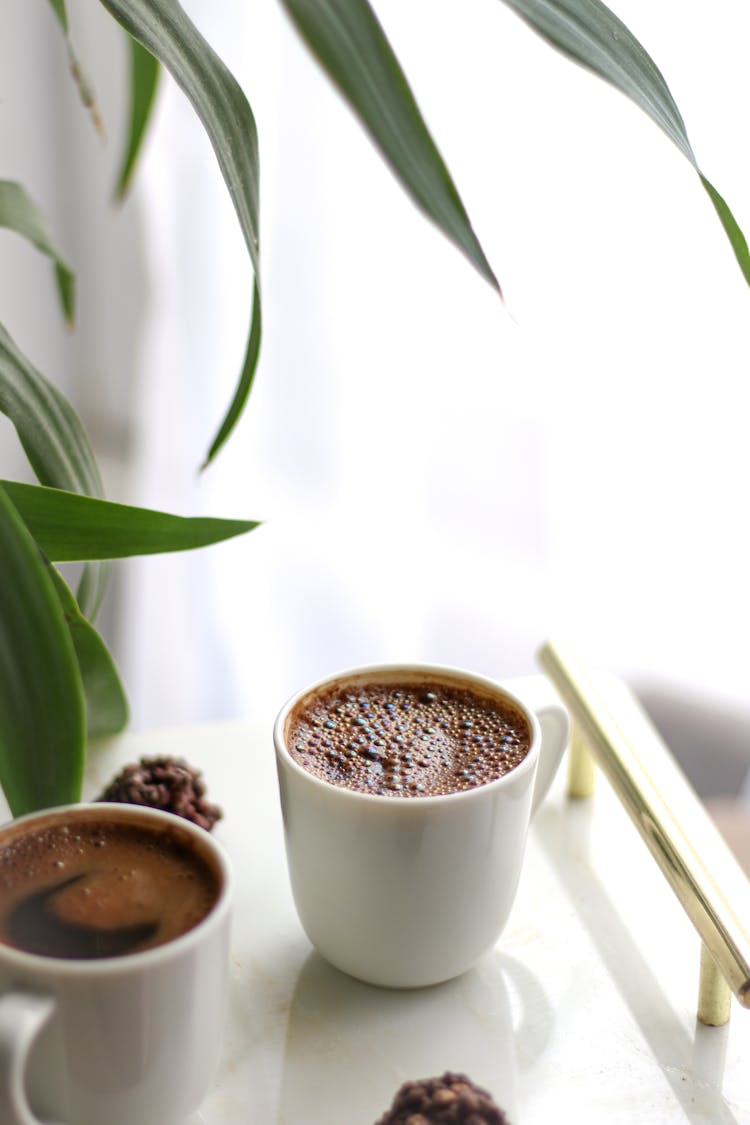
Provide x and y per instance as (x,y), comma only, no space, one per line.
(54,441)
(104,697)
(348,41)
(588,32)
(166,32)
(85,90)
(144,80)
(731,227)
(72,528)
(41,700)
(245,383)
(58,7)
(19,213)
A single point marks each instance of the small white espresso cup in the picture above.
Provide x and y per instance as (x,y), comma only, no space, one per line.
(125,1040)
(410,891)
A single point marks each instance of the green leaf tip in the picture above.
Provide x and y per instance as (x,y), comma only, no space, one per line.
(244,386)
(591,34)
(19,213)
(72,528)
(144,81)
(58,7)
(734,234)
(350,44)
(165,31)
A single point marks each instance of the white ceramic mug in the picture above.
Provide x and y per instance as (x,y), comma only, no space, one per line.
(407,892)
(126,1040)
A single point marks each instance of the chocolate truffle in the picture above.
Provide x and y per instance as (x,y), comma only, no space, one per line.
(164,783)
(452,1099)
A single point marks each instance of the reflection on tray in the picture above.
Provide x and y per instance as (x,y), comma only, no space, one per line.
(351,1044)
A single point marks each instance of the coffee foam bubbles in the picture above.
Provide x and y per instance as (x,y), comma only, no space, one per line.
(406,738)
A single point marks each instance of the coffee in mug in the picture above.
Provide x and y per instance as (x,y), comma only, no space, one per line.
(407,737)
(114,965)
(76,888)
(406,794)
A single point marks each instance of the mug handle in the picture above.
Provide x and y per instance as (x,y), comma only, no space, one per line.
(22,1017)
(539,696)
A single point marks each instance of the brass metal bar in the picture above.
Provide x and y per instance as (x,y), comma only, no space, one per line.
(714,996)
(682,838)
(581,767)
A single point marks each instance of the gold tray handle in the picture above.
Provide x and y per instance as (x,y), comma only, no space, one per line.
(669,815)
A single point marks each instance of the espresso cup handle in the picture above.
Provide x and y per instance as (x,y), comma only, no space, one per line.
(539,696)
(553,719)
(22,1017)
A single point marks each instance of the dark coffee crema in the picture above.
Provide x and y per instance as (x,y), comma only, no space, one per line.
(406,738)
(86,889)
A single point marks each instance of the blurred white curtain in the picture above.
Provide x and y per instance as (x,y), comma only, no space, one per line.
(442,476)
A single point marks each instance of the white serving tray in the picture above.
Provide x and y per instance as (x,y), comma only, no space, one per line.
(584,1012)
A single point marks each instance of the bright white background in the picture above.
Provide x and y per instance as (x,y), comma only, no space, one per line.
(440,476)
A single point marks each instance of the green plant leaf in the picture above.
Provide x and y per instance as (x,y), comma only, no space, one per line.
(58,7)
(55,444)
(71,528)
(144,80)
(19,213)
(588,32)
(105,702)
(42,722)
(734,233)
(164,29)
(348,41)
(245,382)
(84,87)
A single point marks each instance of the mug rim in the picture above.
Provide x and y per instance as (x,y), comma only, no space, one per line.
(449,672)
(126,963)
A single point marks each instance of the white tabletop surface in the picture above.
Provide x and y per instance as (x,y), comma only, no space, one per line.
(584,1012)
